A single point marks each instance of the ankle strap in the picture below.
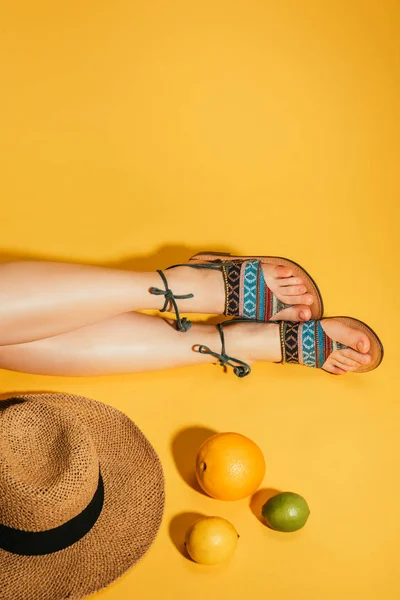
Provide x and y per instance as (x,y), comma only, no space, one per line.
(240,368)
(214,266)
(182,324)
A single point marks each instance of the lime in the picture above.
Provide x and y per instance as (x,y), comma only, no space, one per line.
(286,512)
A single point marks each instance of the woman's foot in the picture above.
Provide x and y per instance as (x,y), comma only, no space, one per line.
(341,360)
(254,342)
(289,290)
(346,359)
(207,287)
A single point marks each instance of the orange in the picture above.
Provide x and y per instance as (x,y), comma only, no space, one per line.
(229,466)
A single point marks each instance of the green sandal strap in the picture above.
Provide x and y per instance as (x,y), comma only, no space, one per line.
(214,266)
(182,324)
(240,368)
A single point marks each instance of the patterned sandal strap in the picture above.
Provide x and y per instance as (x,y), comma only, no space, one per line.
(247,294)
(182,324)
(306,343)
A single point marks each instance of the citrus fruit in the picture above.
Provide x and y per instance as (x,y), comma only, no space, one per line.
(286,512)
(211,540)
(229,466)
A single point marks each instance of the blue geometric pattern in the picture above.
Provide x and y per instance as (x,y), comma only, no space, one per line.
(321,345)
(261,286)
(250,289)
(314,351)
(308,343)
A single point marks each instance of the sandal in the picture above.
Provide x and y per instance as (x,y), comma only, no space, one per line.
(308,344)
(247,294)
(302,343)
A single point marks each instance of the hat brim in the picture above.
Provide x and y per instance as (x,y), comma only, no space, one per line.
(134,497)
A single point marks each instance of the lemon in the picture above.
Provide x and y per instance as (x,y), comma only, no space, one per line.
(286,512)
(211,540)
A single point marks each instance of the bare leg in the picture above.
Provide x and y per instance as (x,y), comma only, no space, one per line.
(43,299)
(127,343)
(132,343)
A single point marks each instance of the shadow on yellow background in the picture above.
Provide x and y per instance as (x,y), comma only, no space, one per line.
(178,527)
(161,258)
(259,499)
(185,446)
(135,134)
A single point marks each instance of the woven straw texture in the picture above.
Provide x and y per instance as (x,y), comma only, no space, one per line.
(51,446)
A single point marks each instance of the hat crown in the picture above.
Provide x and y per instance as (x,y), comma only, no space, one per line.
(49,467)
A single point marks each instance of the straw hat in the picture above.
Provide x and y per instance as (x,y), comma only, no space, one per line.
(81,496)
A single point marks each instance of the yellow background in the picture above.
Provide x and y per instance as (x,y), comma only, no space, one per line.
(134,133)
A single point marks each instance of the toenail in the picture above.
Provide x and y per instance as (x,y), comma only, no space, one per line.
(309,301)
(360,346)
(302,316)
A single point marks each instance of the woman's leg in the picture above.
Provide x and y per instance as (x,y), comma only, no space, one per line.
(127,343)
(132,343)
(43,299)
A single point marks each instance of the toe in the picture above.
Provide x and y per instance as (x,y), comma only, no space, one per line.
(293,313)
(343,366)
(302,299)
(293,290)
(283,272)
(331,368)
(349,336)
(358,341)
(343,362)
(362,344)
(286,281)
(360,359)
